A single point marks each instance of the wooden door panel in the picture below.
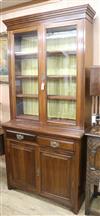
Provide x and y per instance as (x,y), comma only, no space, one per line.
(22,159)
(95,158)
(56,171)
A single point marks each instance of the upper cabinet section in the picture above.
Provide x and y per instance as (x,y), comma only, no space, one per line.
(48,58)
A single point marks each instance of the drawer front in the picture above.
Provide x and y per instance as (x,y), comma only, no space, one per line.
(20,136)
(56,144)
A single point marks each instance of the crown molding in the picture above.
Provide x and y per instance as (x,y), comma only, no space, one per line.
(70,13)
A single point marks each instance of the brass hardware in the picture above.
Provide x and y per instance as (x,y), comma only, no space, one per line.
(92,168)
(54,144)
(42,86)
(23,134)
(19,136)
(43,82)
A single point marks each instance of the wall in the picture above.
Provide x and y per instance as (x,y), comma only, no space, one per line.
(4,102)
(54,4)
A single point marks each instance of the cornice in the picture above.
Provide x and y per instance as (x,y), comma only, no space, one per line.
(70,13)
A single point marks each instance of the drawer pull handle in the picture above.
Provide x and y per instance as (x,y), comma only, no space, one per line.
(54,144)
(92,168)
(19,136)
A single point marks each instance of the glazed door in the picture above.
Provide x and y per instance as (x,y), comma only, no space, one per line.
(63,72)
(25,79)
(61,53)
(21,165)
(56,175)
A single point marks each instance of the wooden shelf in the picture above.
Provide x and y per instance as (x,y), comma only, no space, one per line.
(59,53)
(26,55)
(49,53)
(27,77)
(68,77)
(28,117)
(27,96)
(52,97)
(59,97)
(70,121)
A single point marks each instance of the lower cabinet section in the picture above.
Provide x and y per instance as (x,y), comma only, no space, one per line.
(49,167)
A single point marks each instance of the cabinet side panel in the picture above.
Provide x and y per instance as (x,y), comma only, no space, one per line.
(11,65)
(88,63)
(80,174)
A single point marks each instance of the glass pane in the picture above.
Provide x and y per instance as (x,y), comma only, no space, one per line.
(61,109)
(26,106)
(61,86)
(26,66)
(26,70)
(61,72)
(61,39)
(27,87)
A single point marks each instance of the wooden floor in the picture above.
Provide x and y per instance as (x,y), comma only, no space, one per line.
(19,203)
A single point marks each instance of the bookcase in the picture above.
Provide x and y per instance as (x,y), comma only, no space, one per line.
(49,59)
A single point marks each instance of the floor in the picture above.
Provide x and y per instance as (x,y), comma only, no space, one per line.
(19,203)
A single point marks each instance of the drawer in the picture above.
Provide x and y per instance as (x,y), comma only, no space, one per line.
(56,144)
(20,136)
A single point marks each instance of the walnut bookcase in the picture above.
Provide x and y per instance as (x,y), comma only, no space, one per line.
(49,57)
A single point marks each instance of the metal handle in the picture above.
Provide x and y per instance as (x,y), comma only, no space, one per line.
(26,134)
(54,144)
(19,136)
(92,168)
(43,82)
(42,85)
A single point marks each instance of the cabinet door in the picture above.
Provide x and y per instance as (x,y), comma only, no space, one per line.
(21,165)
(64,72)
(61,53)
(56,175)
(25,56)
